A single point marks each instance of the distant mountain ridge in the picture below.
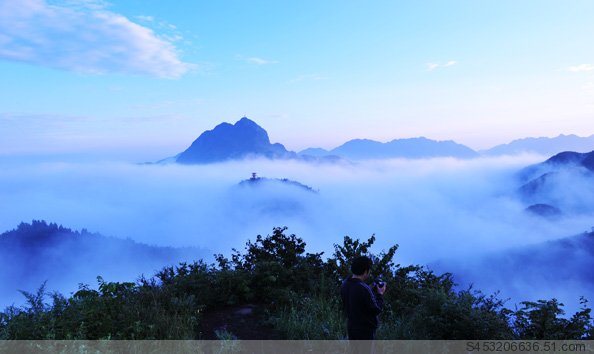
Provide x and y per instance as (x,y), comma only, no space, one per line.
(420,147)
(246,139)
(411,148)
(543,145)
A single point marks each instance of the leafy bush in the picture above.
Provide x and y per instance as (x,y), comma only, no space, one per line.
(540,320)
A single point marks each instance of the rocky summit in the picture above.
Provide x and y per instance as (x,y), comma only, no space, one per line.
(227,141)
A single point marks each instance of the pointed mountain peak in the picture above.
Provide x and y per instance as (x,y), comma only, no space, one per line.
(246,121)
(230,142)
(247,124)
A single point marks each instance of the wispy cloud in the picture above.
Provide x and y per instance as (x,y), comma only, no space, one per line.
(145,18)
(260,61)
(308,77)
(256,60)
(83,36)
(581,68)
(82,4)
(433,66)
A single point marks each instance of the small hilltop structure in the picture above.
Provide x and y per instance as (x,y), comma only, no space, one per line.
(257,180)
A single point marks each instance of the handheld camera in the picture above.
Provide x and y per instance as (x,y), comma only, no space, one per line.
(379,283)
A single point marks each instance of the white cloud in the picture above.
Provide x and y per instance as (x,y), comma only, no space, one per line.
(83,36)
(433,66)
(581,68)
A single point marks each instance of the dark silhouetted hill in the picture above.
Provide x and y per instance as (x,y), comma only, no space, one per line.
(544,210)
(273,197)
(263,181)
(564,182)
(538,174)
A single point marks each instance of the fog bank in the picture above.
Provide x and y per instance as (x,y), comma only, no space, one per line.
(434,209)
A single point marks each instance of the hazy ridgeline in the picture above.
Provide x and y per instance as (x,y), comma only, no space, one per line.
(37,252)
(444,209)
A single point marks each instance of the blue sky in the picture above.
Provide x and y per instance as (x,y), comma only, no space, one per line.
(144,78)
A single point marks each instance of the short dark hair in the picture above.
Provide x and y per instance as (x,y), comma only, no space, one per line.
(361,264)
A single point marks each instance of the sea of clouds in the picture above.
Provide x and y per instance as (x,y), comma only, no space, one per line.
(433,209)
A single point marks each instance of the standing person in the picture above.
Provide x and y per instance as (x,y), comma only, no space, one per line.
(361,304)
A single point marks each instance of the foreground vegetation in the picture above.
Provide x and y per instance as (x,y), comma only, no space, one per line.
(299,292)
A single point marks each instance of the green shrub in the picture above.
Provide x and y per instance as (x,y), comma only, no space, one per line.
(299,291)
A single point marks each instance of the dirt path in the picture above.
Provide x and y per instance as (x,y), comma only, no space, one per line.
(237,322)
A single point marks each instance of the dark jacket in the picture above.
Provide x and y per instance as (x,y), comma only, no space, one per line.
(361,304)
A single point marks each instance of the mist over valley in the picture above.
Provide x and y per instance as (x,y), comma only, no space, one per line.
(469,216)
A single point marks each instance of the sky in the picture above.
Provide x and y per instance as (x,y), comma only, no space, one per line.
(140,80)
(90,85)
